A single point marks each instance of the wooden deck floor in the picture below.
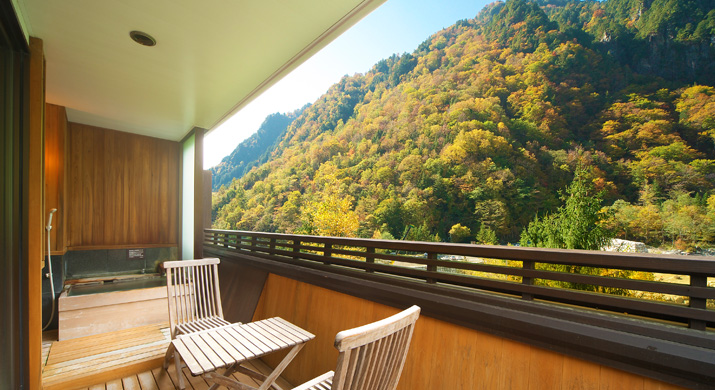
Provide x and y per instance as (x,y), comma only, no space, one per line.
(88,360)
(159,379)
(127,359)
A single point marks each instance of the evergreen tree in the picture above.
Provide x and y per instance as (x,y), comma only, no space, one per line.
(576,224)
(486,236)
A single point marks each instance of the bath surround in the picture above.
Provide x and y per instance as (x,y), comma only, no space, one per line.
(122,305)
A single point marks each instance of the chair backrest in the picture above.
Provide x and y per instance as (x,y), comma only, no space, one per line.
(372,356)
(193,291)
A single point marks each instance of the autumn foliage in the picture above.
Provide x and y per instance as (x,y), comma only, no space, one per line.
(482,126)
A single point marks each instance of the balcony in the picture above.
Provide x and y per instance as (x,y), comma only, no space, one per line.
(490,322)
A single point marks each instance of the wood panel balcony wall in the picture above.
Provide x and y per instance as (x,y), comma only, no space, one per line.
(442,355)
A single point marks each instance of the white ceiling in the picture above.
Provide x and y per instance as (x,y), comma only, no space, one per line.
(212,56)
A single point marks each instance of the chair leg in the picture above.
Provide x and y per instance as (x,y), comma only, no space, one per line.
(169,354)
(179,374)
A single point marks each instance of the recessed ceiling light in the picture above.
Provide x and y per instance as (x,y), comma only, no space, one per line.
(142,38)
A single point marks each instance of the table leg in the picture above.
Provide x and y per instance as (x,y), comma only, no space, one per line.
(255,375)
(220,380)
(229,370)
(282,366)
(226,380)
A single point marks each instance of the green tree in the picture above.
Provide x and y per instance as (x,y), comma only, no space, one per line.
(576,224)
(486,236)
(687,222)
(389,212)
(287,217)
(711,215)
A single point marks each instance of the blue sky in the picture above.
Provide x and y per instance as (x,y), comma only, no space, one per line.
(398,26)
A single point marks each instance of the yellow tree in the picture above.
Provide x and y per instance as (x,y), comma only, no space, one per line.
(332,215)
(331,212)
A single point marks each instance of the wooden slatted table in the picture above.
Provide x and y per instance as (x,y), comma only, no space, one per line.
(228,346)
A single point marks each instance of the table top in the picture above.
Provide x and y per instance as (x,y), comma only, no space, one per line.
(208,350)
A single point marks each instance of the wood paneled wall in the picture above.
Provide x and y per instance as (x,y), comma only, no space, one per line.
(123,189)
(55,177)
(442,355)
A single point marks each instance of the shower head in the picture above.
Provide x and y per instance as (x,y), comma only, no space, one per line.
(49,222)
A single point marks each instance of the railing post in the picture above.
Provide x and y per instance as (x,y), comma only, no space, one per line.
(431,267)
(327,251)
(526,280)
(370,257)
(296,249)
(254,247)
(698,280)
(272,246)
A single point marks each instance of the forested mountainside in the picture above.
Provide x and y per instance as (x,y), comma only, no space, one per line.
(486,121)
(253,151)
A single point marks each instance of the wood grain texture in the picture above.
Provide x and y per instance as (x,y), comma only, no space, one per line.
(123,189)
(55,174)
(33,194)
(111,312)
(105,357)
(88,301)
(580,375)
(442,355)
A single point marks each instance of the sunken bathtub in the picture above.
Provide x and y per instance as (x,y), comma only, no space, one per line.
(111,305)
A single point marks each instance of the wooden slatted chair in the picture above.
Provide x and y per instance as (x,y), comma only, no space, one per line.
(194,299)
(194,295)
(371,356)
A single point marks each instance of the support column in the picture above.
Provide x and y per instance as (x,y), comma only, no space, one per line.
(199,193)
(33,210)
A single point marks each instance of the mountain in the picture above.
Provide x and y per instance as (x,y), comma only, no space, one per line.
(672,39)
(253,151)
(484,124)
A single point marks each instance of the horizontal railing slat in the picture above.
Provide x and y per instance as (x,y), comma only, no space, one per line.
(373,256)
(635,261)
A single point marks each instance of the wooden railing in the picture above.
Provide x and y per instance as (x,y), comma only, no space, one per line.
(528,273)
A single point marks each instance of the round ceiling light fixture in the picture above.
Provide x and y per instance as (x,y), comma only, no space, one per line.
(142,38)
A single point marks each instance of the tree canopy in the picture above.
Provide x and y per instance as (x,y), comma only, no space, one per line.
(488,120)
